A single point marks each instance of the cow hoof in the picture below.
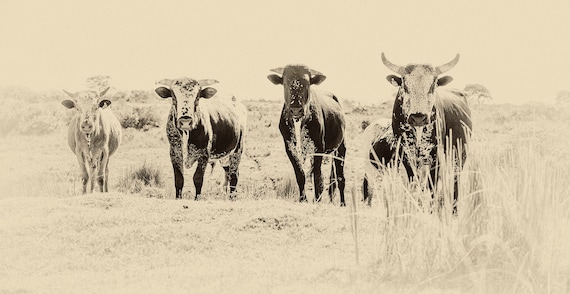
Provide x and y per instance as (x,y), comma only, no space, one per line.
(342,204)
(197,197)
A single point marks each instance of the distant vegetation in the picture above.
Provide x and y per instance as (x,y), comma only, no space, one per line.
(511,236)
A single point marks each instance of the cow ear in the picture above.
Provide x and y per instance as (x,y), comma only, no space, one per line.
(444,80)
(275,79)
(208,93)
(396,81)
(104,92)
(318,79)
(163,92)
(104,103)
(68,104)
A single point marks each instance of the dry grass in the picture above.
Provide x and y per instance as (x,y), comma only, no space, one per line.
(511,234)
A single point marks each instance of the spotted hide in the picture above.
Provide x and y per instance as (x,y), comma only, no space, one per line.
(312,125)
(94,135)
(203,126)
(428,123)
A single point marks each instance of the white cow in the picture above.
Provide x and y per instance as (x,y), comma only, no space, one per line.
(94,135)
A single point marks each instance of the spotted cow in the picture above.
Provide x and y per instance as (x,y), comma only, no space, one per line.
(94,134)
(427,123)
(312,124)
(203,126)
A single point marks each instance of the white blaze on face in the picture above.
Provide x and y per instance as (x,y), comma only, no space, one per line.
(186,92)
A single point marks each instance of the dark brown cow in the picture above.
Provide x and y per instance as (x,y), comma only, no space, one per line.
(203,126)
(312,124)
(424,119)
(94,135)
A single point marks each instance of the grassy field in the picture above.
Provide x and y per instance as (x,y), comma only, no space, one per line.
(512,234)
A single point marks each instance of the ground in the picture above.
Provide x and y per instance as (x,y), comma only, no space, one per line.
(53,239)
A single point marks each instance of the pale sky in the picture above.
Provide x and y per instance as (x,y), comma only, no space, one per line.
(519,50)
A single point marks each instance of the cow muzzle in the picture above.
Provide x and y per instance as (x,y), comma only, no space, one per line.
(297,112)
(86,126)
(184,123)
(418,119)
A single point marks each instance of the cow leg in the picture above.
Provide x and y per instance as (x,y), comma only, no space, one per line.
(232,173)
(432,182)
(318,177)
(367,191)
(102,172)
(91,178)
(199,176)
(299,174)
(339,167)
(178,167)
(84,172)
(107,177)
(333,183)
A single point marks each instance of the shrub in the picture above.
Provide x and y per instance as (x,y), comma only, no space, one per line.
(137,179)
(139,118)
(287,188)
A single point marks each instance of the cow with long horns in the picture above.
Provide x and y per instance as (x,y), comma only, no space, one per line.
(312,124)
(427,123)
(94,134)
(203,126)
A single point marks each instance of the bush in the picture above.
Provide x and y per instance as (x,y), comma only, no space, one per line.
(142,178)
(139,118)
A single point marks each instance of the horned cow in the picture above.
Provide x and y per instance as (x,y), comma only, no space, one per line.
(94,134)
(312,124)
(427,123)
(203,126)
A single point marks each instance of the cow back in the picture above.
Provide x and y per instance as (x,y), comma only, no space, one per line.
(224,121)
(330,111)
(454,116)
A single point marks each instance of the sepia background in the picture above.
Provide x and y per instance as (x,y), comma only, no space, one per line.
(512,232)
(517,49)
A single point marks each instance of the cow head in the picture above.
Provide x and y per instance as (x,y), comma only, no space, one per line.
(417,84)
(296,80)
(87,104)
(185,94)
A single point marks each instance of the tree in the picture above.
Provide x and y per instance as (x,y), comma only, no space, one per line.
(477,94)
(563,97)
(98,83)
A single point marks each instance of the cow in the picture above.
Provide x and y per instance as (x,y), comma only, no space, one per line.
(94,134)
(312,124)
(427,123)
(203,126)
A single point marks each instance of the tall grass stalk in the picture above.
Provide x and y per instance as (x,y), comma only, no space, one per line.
(511,235)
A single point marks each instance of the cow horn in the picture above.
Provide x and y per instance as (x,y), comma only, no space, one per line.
(315,72)
(278,70)
(395,68)
(166,82)
(207,82)
(443,68)
(72,95)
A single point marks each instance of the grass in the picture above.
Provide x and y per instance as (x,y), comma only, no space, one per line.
(511,234)
(146,177)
